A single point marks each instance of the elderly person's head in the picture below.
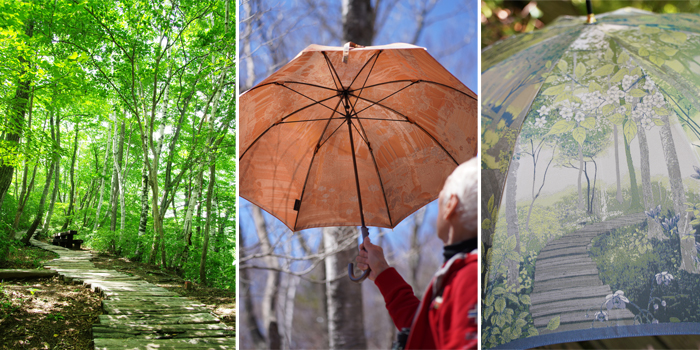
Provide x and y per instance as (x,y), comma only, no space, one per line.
(457,205)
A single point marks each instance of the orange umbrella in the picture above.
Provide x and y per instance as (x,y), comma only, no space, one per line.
(348,136)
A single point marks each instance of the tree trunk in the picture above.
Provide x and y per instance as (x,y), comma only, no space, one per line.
(24,196)
(207,226)
(15,120)
(250,320)
(512,215)
(414,253)
(647,195)
(57,180)
(269,301)
(618,194)
(635,204)
(40,210)
(102,182)
(143,221)
(688,250)
(581,204)
(71,204)
(345,317)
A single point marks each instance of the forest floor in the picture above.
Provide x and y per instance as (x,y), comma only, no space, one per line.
(44,313)
(50,314)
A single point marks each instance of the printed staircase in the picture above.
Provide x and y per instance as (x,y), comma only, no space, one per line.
(567,283)
(138,314)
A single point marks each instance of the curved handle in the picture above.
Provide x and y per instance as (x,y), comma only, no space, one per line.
(351,274)
(351,267)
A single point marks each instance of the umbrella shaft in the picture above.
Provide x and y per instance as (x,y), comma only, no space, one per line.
(354,166)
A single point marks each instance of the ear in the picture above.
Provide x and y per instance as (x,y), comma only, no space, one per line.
(451,206)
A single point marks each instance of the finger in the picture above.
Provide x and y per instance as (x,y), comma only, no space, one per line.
(361,259)
(362,266)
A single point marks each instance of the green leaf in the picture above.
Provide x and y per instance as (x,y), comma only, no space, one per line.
(588,123)
(649,30)
(593,86)
(512,298)
(487,312)
(498,291)
(532,331)
(511,242)
(579,135)
(525,299)
(489,299)
(548,64)
(643,52)
(637,71)
(619,75)
(604,70)
(486,224)
(519,323)
(561,126)
(513,256)
(675,65)
(656,60)
(608,55)
(580,70)
(490,204)
(658,122)
(551,78)
(630,130)
(607,108)
(500,305)
(563,66)
(661,111)
(553,323)
(73,56)
(637,93)
(500,321)
(623,58)
(554,90)
(617,119)
(523,314)
(674,320)
(563,97)
(670,52)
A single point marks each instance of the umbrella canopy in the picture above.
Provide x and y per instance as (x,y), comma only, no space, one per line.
(409,121)
(590,136)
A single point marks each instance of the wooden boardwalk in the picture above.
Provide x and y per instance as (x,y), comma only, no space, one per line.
(567,283)
(138,314)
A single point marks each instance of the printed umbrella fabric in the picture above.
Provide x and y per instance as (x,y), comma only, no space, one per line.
(590,180)
(412,123)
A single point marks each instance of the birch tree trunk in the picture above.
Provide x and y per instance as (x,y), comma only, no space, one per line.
(688,251)
(102,182)
(512,215)
(143,218)
(71,199)
(57,180)
(269,302)
(207,226)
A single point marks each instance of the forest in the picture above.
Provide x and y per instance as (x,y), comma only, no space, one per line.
(119,122)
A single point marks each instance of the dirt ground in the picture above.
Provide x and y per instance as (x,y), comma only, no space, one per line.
(44,313)
(50,314)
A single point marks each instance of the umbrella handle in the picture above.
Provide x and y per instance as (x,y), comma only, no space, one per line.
(351,267)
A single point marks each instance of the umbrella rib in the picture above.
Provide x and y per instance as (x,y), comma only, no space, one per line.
(374,103)
(318,146)
(309,120)
(333,71)
(283,118)
(414,123)
(376,167)
(317,102)
(331,135)
(368,74)
(421,81)
(290,82)
(329,65)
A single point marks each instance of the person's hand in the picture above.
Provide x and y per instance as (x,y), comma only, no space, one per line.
(372,256)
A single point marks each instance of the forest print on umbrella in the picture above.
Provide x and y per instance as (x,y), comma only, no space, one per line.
(597,152)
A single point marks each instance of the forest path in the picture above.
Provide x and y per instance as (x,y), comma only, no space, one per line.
(567,283)
(138,314)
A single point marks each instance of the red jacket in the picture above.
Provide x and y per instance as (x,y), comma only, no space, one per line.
(446,318)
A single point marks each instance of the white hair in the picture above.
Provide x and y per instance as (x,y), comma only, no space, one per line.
(464,183)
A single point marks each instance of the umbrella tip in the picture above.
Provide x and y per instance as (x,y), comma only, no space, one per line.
(346,50)
(591,16)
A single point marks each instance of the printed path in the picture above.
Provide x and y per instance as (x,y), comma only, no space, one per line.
(567,283)
(138,314)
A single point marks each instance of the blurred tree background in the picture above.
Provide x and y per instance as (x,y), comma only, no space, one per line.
(501,19)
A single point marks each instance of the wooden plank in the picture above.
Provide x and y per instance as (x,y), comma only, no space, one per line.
(165,328)
(579,317)
(120,333)
(177,309)
(204,343)
(6,274)
(158,319)
(599,291)
(555,274)
(566,283)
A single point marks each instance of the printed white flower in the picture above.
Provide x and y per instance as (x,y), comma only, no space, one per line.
(656,306)
(628,80)
(580,117)
(629,99)
(544,110)
(616,300)
(615,93)
(592,100)
(592,38)
(663,303)
(566,113)
(621,109)
(601,316)
(649,84)
(539,122)
(665,278)
(647,123)
(655,321)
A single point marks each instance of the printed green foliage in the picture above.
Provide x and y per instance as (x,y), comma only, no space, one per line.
(553,323)
(579,135)
(604,70)
(561,126)
(630,130)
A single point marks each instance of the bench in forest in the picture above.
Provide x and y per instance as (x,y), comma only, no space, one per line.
(65,240)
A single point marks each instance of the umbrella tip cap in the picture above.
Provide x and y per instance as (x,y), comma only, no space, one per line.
(591,19)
